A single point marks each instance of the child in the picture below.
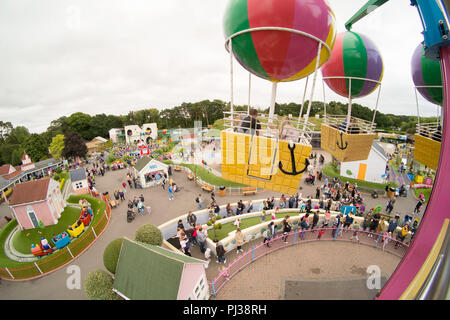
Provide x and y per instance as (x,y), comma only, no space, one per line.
(149,209)
(387,237)
(321,231)
(263,216)
(355,233)
(237,222)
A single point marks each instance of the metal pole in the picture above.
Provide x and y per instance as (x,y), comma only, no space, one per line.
(95,235)
(376,108)
(38,268)
(376,244)
(313,86)
(70,252)
(231,73)
(303,102)
(295,233)
(272,102)
(10,274)
(249,91)
(253,253)
(324,101)
(214,288)
(418,114)
(349,112)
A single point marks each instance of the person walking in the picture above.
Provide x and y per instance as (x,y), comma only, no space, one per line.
(287,226)
(315,219)
(199,201)
(170,192)
(239,238)
(418,205)
(267,234)
(220,251)
(229,210)
(318,192)
(201,239)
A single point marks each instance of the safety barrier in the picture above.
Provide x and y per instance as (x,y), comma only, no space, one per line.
(63,256)
(297,237)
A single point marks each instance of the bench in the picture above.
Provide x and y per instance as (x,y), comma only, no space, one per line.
(207,187)
(190,176)
(247,191)
(177,168)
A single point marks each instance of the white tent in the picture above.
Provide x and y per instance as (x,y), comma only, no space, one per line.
(150,171)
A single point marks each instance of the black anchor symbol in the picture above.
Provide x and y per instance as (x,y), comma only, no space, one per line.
(294,172)
(341,146)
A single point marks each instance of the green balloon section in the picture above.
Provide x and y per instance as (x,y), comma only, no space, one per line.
(425,73)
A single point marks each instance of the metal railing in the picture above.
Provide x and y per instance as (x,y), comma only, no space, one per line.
(279,128)
(430,130)
(356,126)
(299,236)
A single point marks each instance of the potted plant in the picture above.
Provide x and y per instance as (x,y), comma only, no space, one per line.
(216,225)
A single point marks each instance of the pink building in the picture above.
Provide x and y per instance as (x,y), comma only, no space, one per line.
(35,201)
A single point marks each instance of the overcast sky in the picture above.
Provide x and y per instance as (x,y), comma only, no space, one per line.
(58,57)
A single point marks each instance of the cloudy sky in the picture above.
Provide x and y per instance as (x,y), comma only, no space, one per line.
(58,57)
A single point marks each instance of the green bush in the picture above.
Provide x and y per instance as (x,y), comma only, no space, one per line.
(111,255)
(148,233)
(98,286)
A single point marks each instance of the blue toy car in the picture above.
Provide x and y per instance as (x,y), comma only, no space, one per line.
(61,241)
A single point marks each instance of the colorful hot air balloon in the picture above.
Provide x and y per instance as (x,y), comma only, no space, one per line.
(354,55)
(280,55)
(427,72)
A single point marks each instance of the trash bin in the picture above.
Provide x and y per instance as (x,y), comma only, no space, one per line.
(222,191)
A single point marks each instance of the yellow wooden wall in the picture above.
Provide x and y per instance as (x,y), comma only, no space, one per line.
(427,151)
(358,148)
(237,167)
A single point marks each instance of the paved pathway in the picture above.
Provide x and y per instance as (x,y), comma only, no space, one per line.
(53,286)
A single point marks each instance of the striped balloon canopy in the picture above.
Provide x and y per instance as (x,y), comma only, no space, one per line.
(278,55)
(356,56)
(427,72)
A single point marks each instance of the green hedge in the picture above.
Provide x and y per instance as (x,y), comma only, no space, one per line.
(98,285)
(111,255)
(148,233)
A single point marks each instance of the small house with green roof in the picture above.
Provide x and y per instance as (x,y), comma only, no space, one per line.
(148,272)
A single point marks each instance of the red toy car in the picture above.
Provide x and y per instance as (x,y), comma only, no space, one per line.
(86,219)
(39,252)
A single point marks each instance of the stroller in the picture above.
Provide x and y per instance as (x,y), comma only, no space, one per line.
(130,215)
(309,179)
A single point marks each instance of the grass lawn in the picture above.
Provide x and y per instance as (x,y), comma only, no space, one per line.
(426,193)
(23,239)
(4,232)
(245,223)
(207,176)
(333,172)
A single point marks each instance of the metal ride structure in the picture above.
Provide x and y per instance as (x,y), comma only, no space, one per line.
(426,74)
(423,273)
(355,70)
(279,41)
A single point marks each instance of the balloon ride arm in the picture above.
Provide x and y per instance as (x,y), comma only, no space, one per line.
(369,7)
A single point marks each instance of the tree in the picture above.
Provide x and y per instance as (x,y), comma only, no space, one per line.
(36,147)
(74,146)
(80,122)
(57,146)
(148,233)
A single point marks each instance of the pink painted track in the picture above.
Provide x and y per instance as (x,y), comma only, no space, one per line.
(438,208)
